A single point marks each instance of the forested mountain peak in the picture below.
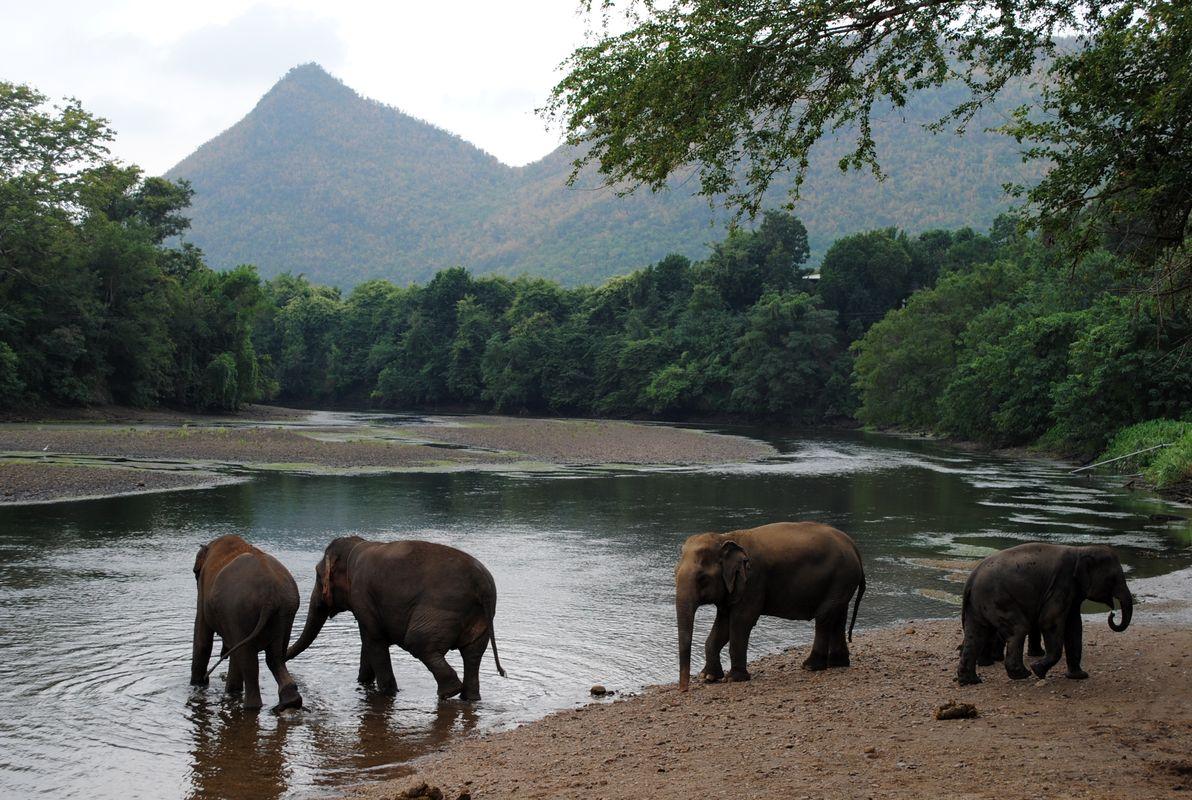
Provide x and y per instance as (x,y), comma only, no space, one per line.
(319,180)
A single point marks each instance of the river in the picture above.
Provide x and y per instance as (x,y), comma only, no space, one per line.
(97,598)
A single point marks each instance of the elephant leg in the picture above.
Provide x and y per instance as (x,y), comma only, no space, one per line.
(250,672)
(1053,639)
(977,638)
(1073,645)
(837,639)
(473,655)
(717,638)
(1014,642)
(740,626)
(287,690)
(376,653)
(445,675)
(200,653)
(235,680)
(994,650)
(366,674)
(818,658)
(1033,648)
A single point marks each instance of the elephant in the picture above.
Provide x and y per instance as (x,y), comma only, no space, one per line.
(1036,589)
(426,598)
(249,598)
(792,570)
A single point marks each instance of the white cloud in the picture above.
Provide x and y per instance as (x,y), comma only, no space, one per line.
(170,76)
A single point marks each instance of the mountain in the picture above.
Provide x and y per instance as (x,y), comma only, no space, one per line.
(319,180)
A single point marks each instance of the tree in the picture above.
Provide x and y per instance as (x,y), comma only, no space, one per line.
(749,263)
(50,152)
(743,91)
(865,275)
(754,85)
(474,327)
(783,360)
(1115,126)
(1122,369)
(11,385)
(905,362)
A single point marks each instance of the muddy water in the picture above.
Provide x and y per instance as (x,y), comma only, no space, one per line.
(97,599)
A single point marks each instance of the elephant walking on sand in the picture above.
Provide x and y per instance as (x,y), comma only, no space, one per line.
(423,597)
(1037,589)
(792,570)
(249,599)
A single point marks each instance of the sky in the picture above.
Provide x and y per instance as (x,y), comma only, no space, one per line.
(170,75)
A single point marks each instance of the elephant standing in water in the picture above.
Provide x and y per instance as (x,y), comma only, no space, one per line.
(1034,589)
(792,570)
(426,598)
(250,600)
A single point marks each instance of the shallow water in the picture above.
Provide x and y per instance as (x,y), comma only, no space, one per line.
(97,598)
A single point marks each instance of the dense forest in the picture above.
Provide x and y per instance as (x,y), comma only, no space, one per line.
(320,181)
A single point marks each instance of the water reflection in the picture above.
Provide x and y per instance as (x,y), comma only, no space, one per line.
(236,753)
(97,598)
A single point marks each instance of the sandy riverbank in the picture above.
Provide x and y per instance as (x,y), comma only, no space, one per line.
(590,441)
(863,732)
(39,453)
(47,483)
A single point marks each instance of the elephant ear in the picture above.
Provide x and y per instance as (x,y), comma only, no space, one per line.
(1082,578)
(734,565)
(328,575)
(200,560)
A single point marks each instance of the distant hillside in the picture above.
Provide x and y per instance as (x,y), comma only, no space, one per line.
(319,180)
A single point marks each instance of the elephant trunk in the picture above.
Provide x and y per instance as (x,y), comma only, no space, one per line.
(1126,601)
(316,615)
(685,617)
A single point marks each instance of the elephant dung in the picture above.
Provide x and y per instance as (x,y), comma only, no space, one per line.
(954,710)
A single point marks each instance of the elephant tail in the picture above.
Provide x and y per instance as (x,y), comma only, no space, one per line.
(492,638)
(861,590)
(490,608)
(856,605)
(965,599)
(262,620)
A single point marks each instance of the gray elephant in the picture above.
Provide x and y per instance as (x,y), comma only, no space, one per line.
(792,570)
(423,597)
(1037,589)
(250,600)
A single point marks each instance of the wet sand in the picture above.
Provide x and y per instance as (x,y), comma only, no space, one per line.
(864,732)
(589,441)
(47,483)
(302,445)
(240,446)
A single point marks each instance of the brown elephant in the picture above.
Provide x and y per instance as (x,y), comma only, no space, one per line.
(250,600)
(425,598)
(792,570)
(1032,589)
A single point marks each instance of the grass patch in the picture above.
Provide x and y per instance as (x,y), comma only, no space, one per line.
(1164,467)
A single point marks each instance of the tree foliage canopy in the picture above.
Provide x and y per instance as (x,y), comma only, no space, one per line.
(743,91)
(93,308)
(1116,125)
